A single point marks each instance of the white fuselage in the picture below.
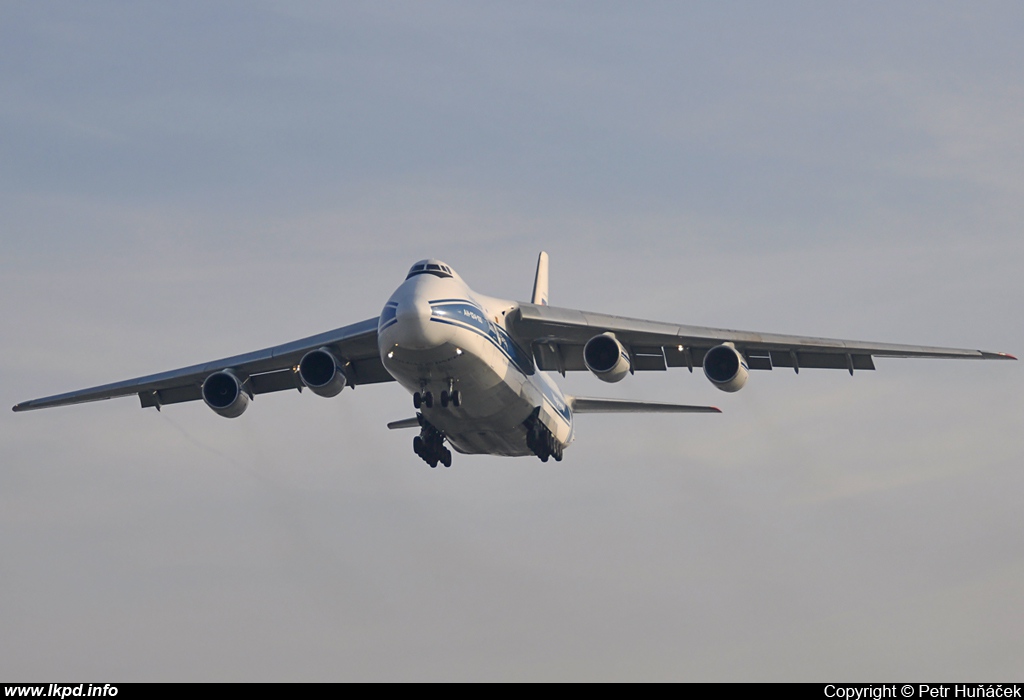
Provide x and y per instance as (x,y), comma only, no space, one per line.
(435,334)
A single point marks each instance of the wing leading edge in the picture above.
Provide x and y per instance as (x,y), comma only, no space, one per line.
(264,371)
(558,336)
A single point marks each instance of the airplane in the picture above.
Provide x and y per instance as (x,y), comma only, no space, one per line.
(477,366)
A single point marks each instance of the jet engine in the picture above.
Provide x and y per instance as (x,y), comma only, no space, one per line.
(223,392)
(321,372)
(604,356)
(725,367)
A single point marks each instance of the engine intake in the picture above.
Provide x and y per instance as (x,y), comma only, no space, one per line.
(321,372)
(223,392)
(725,367)
(605,356)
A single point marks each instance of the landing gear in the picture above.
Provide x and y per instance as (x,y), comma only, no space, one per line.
(420,400)
(425,399)
(540,440)
(454,398)
(429,445)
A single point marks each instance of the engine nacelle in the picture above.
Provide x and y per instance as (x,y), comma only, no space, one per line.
(321,372)
(223,392)
(725,367)
(605,357)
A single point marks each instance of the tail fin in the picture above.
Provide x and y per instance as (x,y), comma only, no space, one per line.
(540,282)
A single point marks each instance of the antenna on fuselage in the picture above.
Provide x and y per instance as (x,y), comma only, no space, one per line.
(540,281)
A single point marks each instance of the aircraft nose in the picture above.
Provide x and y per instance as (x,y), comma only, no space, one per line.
(415,330)
(413,311)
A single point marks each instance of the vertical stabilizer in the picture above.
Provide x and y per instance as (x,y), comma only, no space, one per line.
(540,282)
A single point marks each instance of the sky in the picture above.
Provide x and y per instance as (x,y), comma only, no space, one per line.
(182,182)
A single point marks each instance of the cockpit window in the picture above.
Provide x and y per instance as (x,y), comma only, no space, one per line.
(429,269)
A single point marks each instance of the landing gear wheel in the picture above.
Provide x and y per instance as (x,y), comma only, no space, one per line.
(428,400)
(429,444)
(417,400)
(456,398)
(444,399)
(540,440)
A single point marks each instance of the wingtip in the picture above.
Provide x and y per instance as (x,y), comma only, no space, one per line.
(997,355)
(715,409)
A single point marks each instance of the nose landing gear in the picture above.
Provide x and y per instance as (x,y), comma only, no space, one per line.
(454,398)
(425,399)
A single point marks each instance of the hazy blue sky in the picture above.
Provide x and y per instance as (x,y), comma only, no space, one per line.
(186,181)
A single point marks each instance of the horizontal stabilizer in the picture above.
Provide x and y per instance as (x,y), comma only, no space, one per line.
(407,423)
(580,404)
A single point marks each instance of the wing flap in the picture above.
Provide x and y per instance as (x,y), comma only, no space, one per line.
(158,398)
(758,359)
(559,357)
(822,360)
(646,358)
(280,380)
(369,370)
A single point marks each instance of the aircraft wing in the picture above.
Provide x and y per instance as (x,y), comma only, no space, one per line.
(558,335)
(263,371)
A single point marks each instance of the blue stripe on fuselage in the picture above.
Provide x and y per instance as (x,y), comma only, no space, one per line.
(556,401)
(388,317)
(465,314)
(550,396)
